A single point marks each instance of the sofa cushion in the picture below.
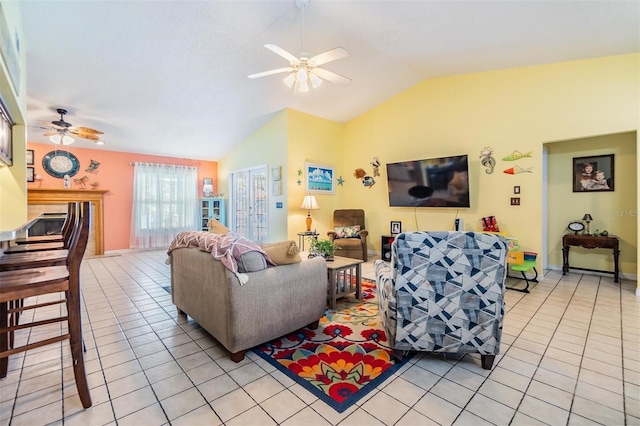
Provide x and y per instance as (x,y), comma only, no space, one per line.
(216,227)
(252,261)
(347,231)
(283,252)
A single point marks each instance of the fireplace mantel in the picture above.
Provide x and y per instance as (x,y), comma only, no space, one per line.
(62,196)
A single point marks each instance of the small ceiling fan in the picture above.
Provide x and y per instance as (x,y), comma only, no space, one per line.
(60,131)
(304,69)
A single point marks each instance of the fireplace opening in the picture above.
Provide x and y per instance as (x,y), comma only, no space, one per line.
(48,224)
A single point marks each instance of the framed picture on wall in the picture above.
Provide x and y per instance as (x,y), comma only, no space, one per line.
(30,174)
(29,157)
(396,227)
(593,174)
(319,178)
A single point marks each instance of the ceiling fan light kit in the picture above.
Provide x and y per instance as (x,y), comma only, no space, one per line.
(303,69)
(61,139)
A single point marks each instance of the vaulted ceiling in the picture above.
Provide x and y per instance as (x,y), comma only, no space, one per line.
(170,77)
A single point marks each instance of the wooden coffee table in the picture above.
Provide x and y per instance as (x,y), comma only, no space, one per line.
(341,272)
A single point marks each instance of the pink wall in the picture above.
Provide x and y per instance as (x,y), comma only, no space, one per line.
(116,175)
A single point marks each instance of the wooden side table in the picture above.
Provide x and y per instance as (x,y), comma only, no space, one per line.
(591,242)
(341,272)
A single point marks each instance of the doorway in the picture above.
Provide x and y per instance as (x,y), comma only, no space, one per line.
(248,203)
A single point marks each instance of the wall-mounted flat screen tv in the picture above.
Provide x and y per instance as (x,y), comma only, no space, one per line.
(434,182)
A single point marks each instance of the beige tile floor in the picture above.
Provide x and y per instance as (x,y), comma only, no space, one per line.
(570,356)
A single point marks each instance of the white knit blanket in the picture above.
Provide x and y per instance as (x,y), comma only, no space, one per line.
(226,248)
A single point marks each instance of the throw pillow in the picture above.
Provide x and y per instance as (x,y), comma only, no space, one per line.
(347,231)
(216,227)
(252,261)
(283,252)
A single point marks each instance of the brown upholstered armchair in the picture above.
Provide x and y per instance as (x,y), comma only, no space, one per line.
(352,243)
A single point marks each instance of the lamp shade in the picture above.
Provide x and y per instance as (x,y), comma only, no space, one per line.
(309,203)
(587,217)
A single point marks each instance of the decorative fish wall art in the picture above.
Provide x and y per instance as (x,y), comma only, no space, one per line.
(517,155)
(517,170)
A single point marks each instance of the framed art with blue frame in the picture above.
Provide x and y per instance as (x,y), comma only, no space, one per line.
(319,179)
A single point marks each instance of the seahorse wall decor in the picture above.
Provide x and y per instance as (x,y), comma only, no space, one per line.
(487,160)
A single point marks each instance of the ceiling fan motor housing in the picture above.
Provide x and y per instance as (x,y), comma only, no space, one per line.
(61,122)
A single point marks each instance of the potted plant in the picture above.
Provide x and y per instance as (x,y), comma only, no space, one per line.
(324,248)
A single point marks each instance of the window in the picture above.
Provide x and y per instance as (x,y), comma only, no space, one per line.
(165,203)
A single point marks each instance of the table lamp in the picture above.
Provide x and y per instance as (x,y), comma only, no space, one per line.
(587,218)
(309,203)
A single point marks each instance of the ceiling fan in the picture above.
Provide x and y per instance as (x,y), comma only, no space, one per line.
(304,69)
(60,131)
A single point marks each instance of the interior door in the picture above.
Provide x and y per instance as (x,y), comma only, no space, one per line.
(249,203)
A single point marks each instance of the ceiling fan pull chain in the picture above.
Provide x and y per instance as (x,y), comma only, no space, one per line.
(302,32)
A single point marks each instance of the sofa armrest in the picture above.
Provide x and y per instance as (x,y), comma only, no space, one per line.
(363,234)
(331,235)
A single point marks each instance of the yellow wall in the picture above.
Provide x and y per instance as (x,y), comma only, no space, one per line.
(13,180)
(289,140)
(615,211)
(267,147)
(516,109)
(319,141)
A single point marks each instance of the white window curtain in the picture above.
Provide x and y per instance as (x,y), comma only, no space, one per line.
(165,203)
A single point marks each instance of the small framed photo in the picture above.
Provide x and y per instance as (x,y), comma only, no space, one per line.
(30,158)
(275,174)
(276,188)
(396,227)
(593,174)
(30,174)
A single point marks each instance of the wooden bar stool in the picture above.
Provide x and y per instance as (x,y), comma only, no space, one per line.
(62,245)
(55,238)
(17,285)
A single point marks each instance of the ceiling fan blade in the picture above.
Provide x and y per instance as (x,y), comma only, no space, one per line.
(81,129)
(50,133)
(331,76)
(280,51)
(276,71)
(328,56)
(91,136)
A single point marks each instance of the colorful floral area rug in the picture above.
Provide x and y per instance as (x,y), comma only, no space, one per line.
(342,360)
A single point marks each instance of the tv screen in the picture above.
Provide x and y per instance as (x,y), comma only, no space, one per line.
(435,182)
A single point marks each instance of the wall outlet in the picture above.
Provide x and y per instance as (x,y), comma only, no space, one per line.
(515,201)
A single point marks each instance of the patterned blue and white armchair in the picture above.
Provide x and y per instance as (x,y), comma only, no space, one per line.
(444,292)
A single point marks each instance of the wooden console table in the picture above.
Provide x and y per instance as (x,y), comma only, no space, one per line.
(591,242)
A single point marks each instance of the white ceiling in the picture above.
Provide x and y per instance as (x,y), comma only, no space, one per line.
(170,77)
